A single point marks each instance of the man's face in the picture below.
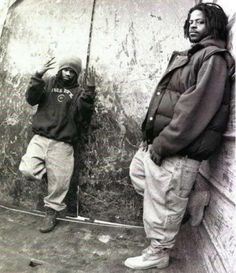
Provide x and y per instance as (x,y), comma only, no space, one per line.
(197,26)
(68,74)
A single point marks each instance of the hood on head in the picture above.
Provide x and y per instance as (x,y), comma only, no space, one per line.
(72,62)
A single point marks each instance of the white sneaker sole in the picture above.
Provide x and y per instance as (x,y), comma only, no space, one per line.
(161,263)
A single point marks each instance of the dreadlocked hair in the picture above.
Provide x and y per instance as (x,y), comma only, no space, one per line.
(216,20)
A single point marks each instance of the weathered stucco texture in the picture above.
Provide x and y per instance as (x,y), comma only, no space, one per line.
(130,46)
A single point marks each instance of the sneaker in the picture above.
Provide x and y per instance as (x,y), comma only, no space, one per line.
(50,221)
(151,257)
(197,203)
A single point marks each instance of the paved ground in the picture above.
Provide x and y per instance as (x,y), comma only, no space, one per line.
(83,248)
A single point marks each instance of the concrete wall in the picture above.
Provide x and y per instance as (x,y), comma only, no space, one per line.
(131,43)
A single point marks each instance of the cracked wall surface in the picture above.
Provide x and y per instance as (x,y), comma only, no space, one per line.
(130,46)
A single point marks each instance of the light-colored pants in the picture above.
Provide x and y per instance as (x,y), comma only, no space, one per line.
(165,191)
(56,159)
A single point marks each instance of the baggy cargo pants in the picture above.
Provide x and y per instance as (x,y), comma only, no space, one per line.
(56,159)
(165,190)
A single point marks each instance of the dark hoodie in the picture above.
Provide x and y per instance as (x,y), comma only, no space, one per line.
(62,108)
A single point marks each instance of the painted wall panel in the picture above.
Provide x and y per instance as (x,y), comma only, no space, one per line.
(219,224)
(219,172)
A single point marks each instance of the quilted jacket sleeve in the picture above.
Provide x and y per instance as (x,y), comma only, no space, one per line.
(194,109)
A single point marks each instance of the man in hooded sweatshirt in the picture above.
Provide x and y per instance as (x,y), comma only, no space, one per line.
(63,108)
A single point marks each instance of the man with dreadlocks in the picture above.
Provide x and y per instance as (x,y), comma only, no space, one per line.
(184,124)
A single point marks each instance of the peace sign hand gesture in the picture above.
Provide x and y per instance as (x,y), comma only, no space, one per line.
(47,66)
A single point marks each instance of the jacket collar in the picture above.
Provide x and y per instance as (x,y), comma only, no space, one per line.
(207,41)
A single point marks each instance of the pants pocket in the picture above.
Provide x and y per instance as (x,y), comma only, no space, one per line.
(188,178)
(176,207)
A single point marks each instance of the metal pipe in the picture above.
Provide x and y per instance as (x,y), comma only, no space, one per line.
(78,219)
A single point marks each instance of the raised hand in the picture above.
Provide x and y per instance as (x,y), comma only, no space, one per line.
(90,79)
(47,66)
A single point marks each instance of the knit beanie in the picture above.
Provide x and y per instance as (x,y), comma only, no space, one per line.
(72,62)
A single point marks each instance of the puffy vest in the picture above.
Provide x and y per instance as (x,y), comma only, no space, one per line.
(166,95)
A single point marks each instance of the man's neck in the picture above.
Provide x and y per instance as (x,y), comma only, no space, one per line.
(208,40)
